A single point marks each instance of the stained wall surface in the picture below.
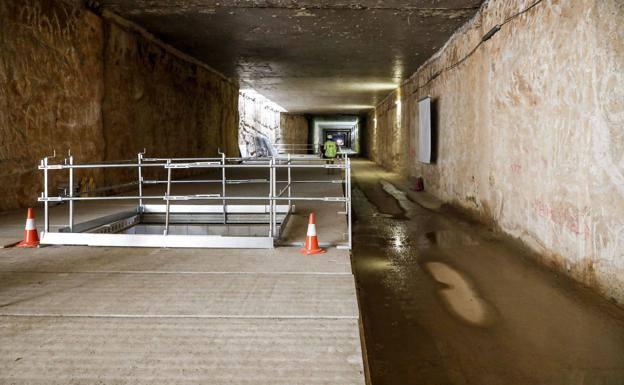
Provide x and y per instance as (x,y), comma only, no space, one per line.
(530,131)
(294,129)
(70,79)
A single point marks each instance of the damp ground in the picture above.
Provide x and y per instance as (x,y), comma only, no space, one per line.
(445,301)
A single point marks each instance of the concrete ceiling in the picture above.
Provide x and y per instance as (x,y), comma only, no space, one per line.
(325,56)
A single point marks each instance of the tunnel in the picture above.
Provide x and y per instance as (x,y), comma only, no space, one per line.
(379,192)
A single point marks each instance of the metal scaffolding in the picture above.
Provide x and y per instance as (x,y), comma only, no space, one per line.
(272,210)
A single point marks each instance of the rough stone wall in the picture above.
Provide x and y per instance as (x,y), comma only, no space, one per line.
(258,117)
(387,137)
(157,101)
(72,80)
(531,131)
(294,129)
(50,91)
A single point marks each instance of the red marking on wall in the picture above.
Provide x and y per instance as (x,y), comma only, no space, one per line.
(564,217)
(516,168)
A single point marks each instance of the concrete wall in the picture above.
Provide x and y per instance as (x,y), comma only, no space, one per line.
(531,131)
(101,87)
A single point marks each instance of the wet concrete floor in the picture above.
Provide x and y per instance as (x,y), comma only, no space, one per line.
(445,301)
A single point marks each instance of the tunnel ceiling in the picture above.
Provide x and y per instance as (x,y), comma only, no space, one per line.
(307,56)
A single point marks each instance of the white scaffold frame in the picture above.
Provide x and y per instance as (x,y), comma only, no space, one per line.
(276,207)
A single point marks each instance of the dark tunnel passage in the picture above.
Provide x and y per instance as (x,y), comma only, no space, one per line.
(312,192)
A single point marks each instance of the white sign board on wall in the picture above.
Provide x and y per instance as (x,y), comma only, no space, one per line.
(424,130)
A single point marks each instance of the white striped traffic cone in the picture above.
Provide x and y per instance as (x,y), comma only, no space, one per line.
(31,238)
(311,244)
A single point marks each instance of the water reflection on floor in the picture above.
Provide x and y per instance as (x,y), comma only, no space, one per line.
(459,295)
(442,303)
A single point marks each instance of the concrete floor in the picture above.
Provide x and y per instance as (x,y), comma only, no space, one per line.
(445,301)
(165,316)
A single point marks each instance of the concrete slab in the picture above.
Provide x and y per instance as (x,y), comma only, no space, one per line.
(60,259)
(312,77)
(39,350)
(178,294)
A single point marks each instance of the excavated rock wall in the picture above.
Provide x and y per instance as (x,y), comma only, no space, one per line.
(70,79)
(530,131)
(157,101)
(294,129)
(260,117)
(50,91)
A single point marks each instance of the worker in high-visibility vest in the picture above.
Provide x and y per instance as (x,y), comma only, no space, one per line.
(330,148)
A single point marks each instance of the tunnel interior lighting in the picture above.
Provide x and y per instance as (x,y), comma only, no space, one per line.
(372,86)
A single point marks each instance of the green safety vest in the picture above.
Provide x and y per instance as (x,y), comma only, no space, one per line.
(330,149)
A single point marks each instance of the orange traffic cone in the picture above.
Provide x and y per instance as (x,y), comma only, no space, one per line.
(31,238)
(311,244)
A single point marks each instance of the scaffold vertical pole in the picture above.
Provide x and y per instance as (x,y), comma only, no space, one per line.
(289,182)
(271,197)
(348,196)
(139,161)
(168,204)
(223,180)
(71,193)
(46,204)
(273,201)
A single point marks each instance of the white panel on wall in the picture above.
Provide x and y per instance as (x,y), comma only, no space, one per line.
(424,130)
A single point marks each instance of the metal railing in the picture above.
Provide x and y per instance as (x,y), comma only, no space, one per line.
(297,149)
(279,190)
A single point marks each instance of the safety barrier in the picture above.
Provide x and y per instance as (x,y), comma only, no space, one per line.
(272,210)
(298,150)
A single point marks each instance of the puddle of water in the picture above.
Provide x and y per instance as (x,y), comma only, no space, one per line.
(401,197)
(459,295)
(446,238)
(399,237)
(382,215)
